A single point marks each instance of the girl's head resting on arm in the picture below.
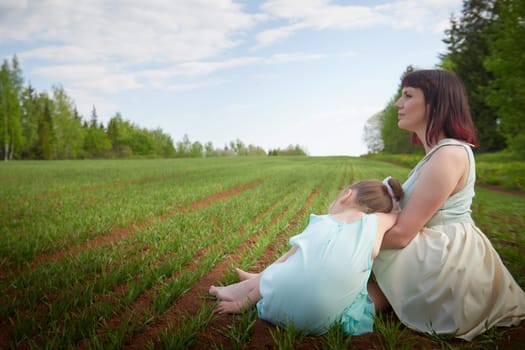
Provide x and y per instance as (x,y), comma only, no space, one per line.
(447,106)
(373,196)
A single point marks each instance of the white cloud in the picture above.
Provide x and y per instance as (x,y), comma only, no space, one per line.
(188,87)
(421,15)
(160,31)
(65,53)
(200,68)
(98,48)
(270,36)
(90,77)
(322,14)
(294,57)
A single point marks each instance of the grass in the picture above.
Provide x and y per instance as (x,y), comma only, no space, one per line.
(336,339)
(239,332)
(285,338)
(501,169)
(84,243)
(393,335)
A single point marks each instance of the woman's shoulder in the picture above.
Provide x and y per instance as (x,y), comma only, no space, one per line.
(456,153)
(452,156)
(451,144)
(449,151)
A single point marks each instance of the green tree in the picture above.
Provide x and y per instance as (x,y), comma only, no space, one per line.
(11,84)
(114,128)
(119,133)
(395,139)
(209,151)
(96,141)
(257,151)
(163,143)
(467,49)
(197,150)
(45,129)
(29,121)
(67,127)
(183,147)
(506,61)
(372,134)
(128,139)
(291,150)
(141,143)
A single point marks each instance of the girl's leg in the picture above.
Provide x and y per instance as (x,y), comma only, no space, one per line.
(243,275)
(236,291)
(377,296)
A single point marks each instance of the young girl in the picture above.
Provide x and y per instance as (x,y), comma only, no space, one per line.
(323,278)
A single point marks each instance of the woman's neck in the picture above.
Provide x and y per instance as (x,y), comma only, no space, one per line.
(426,145)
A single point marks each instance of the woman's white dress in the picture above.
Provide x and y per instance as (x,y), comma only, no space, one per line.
(449,279)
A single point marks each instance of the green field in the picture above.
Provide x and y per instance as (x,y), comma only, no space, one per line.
(118,254)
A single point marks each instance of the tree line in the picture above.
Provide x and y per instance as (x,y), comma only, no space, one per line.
(38,125)
(486,49)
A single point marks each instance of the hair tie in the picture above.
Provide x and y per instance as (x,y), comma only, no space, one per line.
(389,189)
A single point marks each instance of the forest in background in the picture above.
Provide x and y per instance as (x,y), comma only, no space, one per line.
(485,48)
(38,125)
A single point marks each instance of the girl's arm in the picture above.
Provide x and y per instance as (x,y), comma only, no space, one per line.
(443,175)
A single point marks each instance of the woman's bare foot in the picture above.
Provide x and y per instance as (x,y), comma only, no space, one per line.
(243,275)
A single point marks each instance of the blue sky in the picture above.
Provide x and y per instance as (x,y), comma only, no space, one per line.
(270,73)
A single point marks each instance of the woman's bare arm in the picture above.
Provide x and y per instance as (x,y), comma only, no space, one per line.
(385,222)
(443,175)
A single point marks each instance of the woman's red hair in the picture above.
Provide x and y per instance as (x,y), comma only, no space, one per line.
(447,104)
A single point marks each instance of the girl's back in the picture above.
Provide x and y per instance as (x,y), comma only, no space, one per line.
(326,275)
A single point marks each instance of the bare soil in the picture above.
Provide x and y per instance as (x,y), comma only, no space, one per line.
(214,336)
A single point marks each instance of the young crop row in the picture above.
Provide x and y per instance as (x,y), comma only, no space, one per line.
(104,254)
(77,257)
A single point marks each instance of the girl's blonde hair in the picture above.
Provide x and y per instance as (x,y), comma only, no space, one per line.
(374,196)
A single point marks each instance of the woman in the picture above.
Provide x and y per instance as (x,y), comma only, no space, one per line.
(447,278)
(322,280)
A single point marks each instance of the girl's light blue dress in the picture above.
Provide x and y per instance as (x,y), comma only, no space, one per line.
(325,281)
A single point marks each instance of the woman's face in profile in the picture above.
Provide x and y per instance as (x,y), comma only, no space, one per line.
(411,107)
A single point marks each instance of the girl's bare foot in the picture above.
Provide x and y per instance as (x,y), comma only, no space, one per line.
(236,291)
(229,307)
(222,293)
(243,275)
